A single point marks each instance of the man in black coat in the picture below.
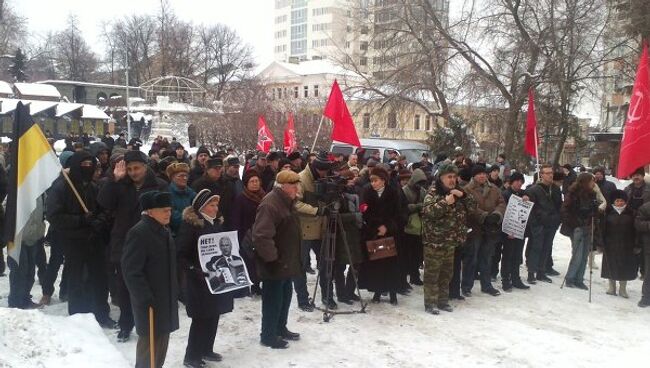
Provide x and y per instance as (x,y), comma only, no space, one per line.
(606,186)
(213,180)
(513,248)
(543,221)
(277,237)
(80,234)
(149,268)
(131,178)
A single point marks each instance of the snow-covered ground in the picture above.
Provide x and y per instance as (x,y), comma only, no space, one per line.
(542,327)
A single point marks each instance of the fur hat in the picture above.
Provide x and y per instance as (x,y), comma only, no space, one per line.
(248,175)
(618,194)
(176,168)
(380,173)
(202,149)
(445,169)
(287,177)
(294,156)
(155,199)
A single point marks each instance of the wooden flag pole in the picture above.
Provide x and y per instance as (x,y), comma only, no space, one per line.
(536,154)
(317,133)
(74,190)
(152,345)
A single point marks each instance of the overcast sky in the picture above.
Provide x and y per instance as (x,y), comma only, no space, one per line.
(253,19)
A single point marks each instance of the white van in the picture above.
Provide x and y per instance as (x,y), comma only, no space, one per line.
(411,149)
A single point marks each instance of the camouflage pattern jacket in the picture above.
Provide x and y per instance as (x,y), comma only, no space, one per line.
(443,224)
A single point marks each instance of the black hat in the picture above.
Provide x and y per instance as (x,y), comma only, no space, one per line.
(135,156)
(214,162)
(202,198)
(618,194)
(294,156)
(233,161)
(202,149)
(381,173)
(273,156)
(495,168)
(599,169)
(155,199)
(517,176)
(478,169)
(321,162)
(639,171)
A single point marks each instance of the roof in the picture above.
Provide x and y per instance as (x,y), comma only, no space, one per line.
(305,68)
(36,107)
(37,89)
(7,105)
(66,108)
(77,83)
(5,88)
(93,112)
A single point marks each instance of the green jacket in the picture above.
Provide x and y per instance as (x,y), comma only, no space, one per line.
(443,224)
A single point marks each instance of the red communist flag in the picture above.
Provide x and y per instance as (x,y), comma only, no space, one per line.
(336,109)
(290,143)
(531,127)
(264,136)
(636,136)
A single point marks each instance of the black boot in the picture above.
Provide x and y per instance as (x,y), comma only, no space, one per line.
(376,298)
(507,284)
(517,284)
(531,278)
(393,298)
(542,277)
(275,342)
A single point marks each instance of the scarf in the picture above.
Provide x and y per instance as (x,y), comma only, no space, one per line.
(210,219)
(619,209)
(256,197)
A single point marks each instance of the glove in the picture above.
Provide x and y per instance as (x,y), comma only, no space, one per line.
(323,211)
(492,219)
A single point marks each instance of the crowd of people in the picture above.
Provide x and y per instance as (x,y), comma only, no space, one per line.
(127,223)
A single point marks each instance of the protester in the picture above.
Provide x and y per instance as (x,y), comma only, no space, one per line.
(569,178)
(414,192)
(619,245)
(512,247)
(296,161)
(494,177)
(444,228)
(543,221)
(199,164)
(181,193)
(203,307)
(81,235)
(214,180)
(380,202)
(267,175)
(243,218)
(485,221)
(606,187)
(131,179)
(578,214)
(232,178)
(642,226)
(149,268)
(276,235)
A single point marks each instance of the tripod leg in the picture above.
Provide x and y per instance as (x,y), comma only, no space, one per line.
(352,269)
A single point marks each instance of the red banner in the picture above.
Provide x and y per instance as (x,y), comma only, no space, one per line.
(531,127)
(264,136)
(336,109)
(290,142)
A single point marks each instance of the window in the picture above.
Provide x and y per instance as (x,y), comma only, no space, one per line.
(366,121)
(298,16)
(320,11)
(298,3)
(299,32)
(320,27)
(279,4)
(364,30)
(363,46)
(298,47)
(281,34)
(392,120)
(427,123)
(280,19)
(306,91)
(363,61)
(416,122)
(280,48)
(347,44)
(320,43)
(316,91)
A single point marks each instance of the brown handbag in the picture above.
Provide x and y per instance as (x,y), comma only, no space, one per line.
(381,248)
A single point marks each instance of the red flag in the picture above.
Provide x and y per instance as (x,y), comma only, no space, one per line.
(531,127)
(264,136)
(636,136)
(336,109)
(290,143)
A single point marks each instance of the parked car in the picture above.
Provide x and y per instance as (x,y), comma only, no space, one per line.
(411,149)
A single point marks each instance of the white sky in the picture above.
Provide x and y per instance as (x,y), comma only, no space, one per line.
(253,19)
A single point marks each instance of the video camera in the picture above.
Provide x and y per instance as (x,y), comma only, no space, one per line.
(330,188)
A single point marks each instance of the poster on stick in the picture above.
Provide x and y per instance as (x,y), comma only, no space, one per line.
(516,217)
(222,263)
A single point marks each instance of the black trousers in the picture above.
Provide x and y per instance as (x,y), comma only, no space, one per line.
(512,259)
(143,354)
(540,248)
(414,256)
(126,321)
(497,258)
(200,341)
(52,270)
(21,277)
(87,279)
(276,299)
(645,289)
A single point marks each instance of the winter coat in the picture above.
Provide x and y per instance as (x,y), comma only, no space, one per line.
(277,237)
(488,201)
(637,196)
(181,199)
(267,176)
(607,188)
(122,199)
(383,274)
(243,215)
(149,269)
(444,224)
(236,185)
(619,261)
(307,206)
(642,225)
(196,173)
(414,195)
(223,190)
(577,211)
(547,204)
(352,221)
(199,301)
(568,180)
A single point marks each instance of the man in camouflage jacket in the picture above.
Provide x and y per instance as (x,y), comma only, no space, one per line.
(444,227)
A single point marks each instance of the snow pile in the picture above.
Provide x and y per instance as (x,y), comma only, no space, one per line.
(34,339)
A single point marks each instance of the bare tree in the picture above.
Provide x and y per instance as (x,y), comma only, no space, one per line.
(135,39)
(74,59)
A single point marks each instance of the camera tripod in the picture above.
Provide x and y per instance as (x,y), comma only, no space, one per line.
(327,262)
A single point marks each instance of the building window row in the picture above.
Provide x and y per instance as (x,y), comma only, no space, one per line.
(281,34)
(298,47)
(320,27)
(279,4)
(280,19)
(299,16)
(281,48)
(298,3)
(299,32)
(320,43)
(321,11)
(282,92)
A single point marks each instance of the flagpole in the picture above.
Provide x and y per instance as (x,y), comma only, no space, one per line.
(74,190)
(536,152)
(317,133)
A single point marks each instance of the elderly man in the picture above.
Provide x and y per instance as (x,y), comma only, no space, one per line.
(276,235)
(149,267)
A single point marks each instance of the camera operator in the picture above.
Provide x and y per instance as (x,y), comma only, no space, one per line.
(312,222)
(578,211)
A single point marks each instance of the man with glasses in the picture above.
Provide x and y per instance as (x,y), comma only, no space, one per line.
(544,221)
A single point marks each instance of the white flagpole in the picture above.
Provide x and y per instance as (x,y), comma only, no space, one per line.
(317,133)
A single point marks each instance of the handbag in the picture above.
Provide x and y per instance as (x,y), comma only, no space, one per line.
(414,224)
(381,248)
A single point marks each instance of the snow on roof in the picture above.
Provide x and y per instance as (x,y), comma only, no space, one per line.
(37,89)
(36,107)
(93,112)
(310,67)
(5,88)
(7,105)
(65,108)
(77,83)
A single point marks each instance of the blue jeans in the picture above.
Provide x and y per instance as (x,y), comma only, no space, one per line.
(580,245)
(483,247)
(276,299)
(300,282)
(21,276)
(540,247)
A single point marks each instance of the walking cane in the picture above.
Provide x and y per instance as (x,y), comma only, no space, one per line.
(152,345)
(591,249)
